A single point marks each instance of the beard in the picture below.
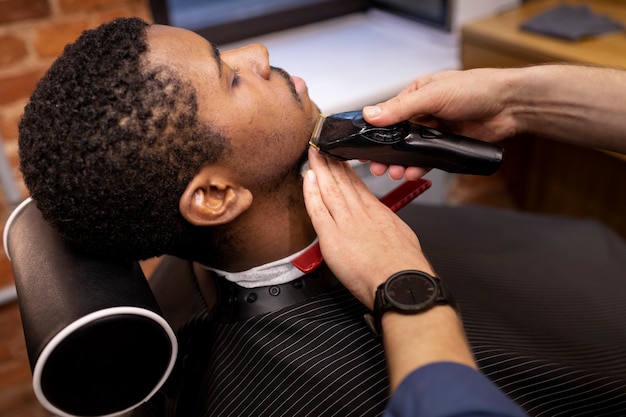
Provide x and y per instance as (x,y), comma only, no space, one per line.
(286,176)
(275,169)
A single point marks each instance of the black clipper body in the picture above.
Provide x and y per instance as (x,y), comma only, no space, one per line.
(347,136)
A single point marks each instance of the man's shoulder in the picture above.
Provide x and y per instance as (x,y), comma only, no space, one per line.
(174,284)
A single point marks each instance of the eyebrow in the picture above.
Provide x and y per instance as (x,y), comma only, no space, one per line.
(218,59)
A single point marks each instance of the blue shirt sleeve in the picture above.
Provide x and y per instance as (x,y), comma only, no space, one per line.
(447,389)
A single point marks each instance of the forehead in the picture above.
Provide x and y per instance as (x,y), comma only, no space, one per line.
(171,34)
(174,46)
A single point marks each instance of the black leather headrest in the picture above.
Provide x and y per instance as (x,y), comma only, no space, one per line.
(96,340)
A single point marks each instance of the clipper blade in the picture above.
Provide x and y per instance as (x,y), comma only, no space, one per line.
(317,130)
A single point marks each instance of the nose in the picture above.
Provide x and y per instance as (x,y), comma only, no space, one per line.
(254,57)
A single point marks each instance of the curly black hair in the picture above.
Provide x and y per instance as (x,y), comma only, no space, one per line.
(108,143)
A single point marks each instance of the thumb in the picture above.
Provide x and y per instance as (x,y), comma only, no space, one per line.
(394,110)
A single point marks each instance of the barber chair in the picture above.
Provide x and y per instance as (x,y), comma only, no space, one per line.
(96,340)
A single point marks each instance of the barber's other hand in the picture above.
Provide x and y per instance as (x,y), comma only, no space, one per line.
(362,240)
(469,103)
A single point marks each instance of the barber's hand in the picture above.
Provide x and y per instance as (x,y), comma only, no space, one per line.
(469,103)
(362,240)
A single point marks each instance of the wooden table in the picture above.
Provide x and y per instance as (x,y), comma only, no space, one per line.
(542,175)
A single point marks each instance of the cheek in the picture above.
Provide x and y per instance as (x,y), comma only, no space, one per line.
(271,120)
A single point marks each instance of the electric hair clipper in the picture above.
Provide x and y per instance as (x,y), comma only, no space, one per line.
(347,136)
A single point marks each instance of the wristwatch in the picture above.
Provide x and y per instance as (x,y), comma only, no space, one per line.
(407,292)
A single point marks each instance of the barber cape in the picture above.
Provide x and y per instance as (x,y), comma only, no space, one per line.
(314,357)
(543,301)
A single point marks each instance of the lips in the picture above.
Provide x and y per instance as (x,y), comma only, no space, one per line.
(299,84)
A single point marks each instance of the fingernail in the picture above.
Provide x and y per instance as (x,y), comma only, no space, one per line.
(310,175)
(372,111)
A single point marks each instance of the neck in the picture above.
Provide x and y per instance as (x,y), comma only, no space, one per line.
(256,238)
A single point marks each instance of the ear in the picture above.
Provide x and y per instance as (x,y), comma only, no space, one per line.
(212,198)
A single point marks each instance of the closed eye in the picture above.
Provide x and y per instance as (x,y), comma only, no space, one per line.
(235,76)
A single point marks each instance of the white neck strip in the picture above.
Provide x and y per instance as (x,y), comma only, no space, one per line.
(273,273)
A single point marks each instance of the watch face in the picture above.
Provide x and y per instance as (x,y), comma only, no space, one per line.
(411,291)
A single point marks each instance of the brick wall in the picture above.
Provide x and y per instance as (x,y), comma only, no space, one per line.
(32,34)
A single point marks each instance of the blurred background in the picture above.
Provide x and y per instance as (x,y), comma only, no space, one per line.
(351,53)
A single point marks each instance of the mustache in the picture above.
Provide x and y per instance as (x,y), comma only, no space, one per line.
(285,75)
